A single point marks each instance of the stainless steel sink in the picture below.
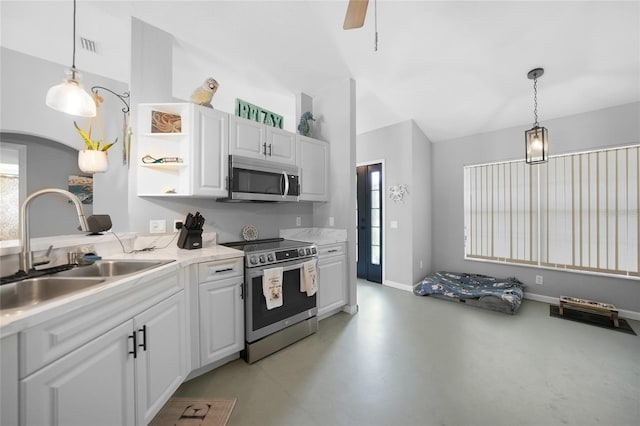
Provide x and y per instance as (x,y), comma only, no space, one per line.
(112,268)
(37,290)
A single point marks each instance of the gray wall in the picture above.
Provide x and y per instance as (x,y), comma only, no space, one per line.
(609,127)
(335,110)
(405,152)
(24,81)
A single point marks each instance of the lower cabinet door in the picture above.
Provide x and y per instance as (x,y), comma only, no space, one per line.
(93,385)
(221,319)
(161,364)
(332,285)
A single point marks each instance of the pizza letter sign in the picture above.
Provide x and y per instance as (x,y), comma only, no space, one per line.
(255,113)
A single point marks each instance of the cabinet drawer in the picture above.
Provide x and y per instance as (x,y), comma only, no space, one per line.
(46,342)
(220,269)
(331,250)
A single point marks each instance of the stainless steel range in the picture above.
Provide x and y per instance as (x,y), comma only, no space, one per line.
(269,330)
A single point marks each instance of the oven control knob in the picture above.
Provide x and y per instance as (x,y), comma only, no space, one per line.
(270,257)
(262,260)
(253,260)
(313,250)
(308,251)
(301,252)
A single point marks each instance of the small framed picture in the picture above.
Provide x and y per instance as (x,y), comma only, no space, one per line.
(164,122)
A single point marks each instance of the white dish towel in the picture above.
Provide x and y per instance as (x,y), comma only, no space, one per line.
(309,277)
(272,287)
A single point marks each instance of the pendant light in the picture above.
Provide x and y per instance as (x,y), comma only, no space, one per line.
(536,138)
(69,96)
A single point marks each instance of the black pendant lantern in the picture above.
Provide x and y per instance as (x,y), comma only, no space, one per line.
(536,138)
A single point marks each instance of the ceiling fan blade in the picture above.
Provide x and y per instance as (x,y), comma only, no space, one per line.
(356,12)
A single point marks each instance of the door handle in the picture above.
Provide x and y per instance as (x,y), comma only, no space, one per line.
(286,184)
(264,149)
(270,146)
(134,352)
(143,330)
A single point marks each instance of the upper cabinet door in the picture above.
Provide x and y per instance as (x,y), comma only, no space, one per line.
(247,138)
(313,161)
(281,145)
(210,159)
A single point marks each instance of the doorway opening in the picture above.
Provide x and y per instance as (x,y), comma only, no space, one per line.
(369,247)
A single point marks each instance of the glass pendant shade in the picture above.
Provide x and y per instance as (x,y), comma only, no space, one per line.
(536,144)
(70,97)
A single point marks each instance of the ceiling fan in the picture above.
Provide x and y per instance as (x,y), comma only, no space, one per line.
(356,12)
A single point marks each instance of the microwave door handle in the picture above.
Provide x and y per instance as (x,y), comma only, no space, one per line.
(286,184)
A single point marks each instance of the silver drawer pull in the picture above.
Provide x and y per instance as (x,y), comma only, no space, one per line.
(223,270)
(332,251)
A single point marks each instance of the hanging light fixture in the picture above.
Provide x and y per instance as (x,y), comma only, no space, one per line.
(69,96)
(536,138)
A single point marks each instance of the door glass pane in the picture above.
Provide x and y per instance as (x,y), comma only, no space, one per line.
(375,236)
(375,255)
(375,181)
(375,218)
(375,199)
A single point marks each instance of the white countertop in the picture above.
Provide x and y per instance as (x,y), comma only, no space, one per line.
(318,236)
(15,320)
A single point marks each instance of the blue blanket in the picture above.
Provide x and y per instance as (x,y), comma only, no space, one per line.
(470,286)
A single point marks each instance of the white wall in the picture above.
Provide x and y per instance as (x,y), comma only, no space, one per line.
(153,64)
(603,128)
(420,194)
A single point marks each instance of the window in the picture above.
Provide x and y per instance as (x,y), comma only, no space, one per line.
(576,212)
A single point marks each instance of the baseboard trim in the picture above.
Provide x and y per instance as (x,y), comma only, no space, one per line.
(622,313)
(405,287)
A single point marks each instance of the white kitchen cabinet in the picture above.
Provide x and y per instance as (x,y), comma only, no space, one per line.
(221,309)
(123,375)
(312,157)
(9,380)
(332,278)
(252,139)
(200,143)
(161,363)
(93,385)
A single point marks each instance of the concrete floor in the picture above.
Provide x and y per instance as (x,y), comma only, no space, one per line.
(408,360)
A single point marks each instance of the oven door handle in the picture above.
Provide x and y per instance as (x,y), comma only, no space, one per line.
(292,264)
(286,184)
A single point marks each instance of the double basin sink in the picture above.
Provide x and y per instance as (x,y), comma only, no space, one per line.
(34,291)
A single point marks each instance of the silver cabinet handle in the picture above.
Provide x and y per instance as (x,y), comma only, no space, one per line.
(286,184)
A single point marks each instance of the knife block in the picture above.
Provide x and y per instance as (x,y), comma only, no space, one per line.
(190,239)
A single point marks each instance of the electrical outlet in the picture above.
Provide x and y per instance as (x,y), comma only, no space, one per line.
(157,226)
(331,221)
(177,225)
(298,221)
(421,264)
(539,280)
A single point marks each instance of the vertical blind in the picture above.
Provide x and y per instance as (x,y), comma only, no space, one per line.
(577,211)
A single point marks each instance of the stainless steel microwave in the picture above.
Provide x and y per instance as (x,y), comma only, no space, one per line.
(253,179)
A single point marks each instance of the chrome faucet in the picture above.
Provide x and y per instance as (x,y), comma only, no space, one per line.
(26,256)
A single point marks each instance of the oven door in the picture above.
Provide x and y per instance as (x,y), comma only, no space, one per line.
(296,305)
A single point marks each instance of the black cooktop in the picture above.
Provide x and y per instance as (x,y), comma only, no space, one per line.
(266,244)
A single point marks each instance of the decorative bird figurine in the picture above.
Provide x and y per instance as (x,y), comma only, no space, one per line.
(203,94)
(303,126)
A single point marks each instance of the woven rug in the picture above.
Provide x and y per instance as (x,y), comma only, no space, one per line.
(195,411)
(603,321)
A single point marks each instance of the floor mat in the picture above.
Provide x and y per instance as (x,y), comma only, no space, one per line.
(591,319)
(196,411)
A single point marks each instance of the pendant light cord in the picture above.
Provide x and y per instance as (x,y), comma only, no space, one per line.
(375,23)
(535,101)
(73,60)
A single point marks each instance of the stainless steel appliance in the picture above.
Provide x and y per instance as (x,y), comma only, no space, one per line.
(269,330)
(253,179)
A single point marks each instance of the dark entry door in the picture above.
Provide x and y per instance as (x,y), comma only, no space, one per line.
(369,205)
